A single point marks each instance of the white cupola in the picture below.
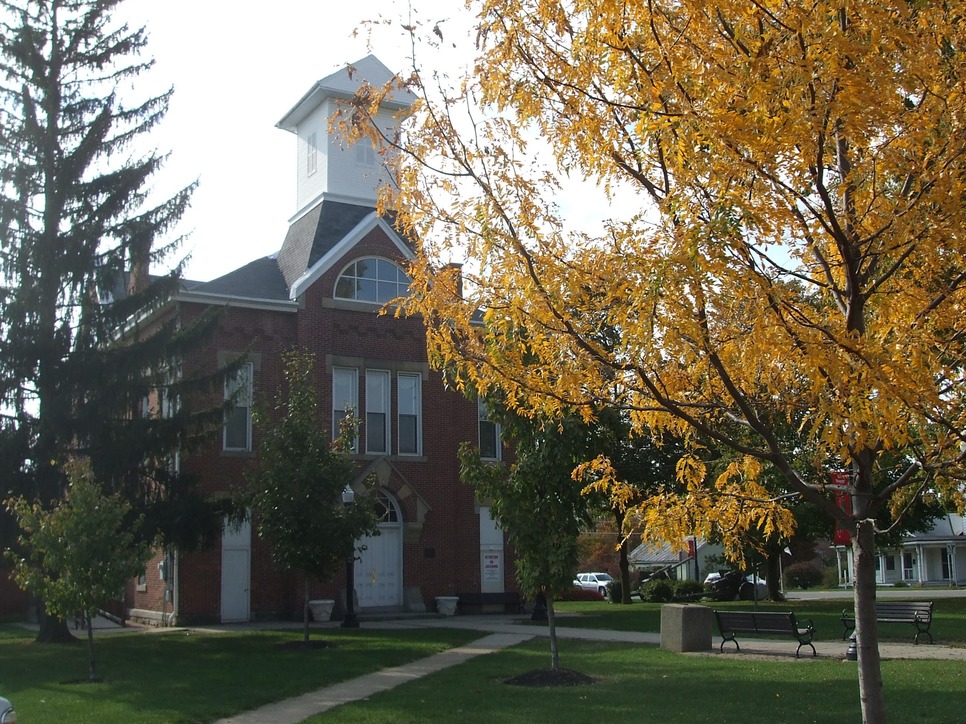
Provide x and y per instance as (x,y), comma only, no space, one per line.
(327,168)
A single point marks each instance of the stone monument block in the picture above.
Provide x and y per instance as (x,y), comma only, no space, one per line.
(685,627)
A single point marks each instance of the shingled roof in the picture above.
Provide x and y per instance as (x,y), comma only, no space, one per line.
(259,279)
(309,239)
(315,234)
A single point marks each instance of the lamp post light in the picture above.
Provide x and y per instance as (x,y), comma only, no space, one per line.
(349,620)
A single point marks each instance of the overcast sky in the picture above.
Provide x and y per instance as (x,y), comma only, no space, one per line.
(236,71)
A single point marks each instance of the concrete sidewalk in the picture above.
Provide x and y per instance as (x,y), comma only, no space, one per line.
(505,631)
(829,648)
(290,711)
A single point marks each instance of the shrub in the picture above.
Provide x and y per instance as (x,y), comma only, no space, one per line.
(614,591)
(804,575)
(657,591)
(662,574)
(688,590)
(579,594)
(831,577)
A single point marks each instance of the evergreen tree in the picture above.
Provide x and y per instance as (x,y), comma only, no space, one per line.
(90,343)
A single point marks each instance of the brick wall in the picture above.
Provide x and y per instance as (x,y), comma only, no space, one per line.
(441,553)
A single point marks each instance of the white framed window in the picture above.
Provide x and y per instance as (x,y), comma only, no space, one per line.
(237,433)
(491,446)
(409,394)
(311,154)
(170,404)
(377,411)
(365,153)
(908,571)
(147,401)
(146,405)
(372,280)
(345,395)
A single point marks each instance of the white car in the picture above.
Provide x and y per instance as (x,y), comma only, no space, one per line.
(7,714)
(593,582)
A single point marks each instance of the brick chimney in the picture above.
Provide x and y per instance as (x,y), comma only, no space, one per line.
(458,275)
(140,272)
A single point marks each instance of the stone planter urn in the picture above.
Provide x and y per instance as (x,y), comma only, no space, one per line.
(321,609)
(446,605)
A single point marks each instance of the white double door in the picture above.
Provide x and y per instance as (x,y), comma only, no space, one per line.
(379,565)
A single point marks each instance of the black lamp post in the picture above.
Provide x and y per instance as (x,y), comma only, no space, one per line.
(349,620)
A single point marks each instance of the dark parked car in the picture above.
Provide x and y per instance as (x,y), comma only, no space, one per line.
(729,585)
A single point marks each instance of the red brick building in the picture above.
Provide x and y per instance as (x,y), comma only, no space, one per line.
(339,263)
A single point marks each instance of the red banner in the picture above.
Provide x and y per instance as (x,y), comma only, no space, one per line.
(840,480)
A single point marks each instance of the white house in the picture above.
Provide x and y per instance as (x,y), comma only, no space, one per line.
(934,558)
(694,561)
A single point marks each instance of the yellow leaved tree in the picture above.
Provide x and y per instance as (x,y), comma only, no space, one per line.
(783,242)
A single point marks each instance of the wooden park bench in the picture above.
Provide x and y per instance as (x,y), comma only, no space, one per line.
(918,613)
(732,623)
(478,601)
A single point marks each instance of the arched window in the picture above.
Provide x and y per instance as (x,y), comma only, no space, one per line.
(372,280)
(386,511)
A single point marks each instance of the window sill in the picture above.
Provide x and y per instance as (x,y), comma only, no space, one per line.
(369,457)
(238,453)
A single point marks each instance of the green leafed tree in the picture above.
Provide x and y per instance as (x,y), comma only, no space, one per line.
(91,347)
(639,465)
(295,493)
(78,554)
(538,503)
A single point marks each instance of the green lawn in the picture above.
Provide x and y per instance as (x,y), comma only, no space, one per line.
(645,683)
(192,677)
(199,677)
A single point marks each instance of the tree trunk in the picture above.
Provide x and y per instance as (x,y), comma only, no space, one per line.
(866,633)
(623,566)
(773,570)
(625,571)
(91,668)
(305,609)
(552,629)
(52,630)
